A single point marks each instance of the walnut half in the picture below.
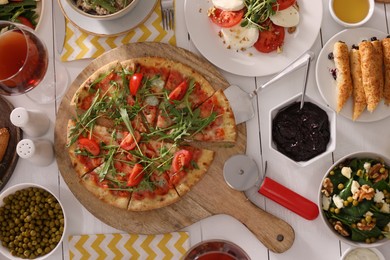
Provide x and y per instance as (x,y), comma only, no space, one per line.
(328,187)
(364,192)
(340,228)
(378,172)
(365,226)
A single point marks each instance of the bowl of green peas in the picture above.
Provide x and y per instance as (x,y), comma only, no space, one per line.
(33,222)
(354,199)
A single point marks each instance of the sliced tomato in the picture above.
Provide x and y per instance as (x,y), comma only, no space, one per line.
(90,145)
(128,143)
(136,175)
(135,82)
(226,19)
(181,159)
(23,20)
(283,4)
(86,102)
(270,40)
(179,92)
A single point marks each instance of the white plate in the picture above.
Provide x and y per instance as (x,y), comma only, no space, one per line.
(110,27)
(204,34)
(327,84)
(39,10)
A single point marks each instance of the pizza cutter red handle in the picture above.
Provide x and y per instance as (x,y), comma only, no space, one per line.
(289,199)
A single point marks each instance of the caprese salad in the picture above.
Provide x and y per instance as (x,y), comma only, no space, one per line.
(257,23)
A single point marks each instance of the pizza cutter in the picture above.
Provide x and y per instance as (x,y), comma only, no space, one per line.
(241,101)
(241,173)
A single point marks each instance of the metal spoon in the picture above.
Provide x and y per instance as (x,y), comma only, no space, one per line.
(305,83)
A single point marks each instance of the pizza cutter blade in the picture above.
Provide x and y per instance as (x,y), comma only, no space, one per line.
(241,101)
(241,173)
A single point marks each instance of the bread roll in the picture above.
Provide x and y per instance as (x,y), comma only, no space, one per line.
(370,77)
(4,139)
(386,62)
(359,97)
(343,73)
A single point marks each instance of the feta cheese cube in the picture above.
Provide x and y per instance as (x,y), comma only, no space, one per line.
(367,166)
(325,202)
(368,213)
(385,208)
(355,187)
(379,196)
(3,2)
(339,202)
(346,171)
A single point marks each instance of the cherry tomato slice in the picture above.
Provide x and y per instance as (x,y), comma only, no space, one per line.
(181,159)
(23,20)
(136,175)
(128,143)
(90,145)
(270,40)
(179,92)
(283,4)
(226,19)
(135,83)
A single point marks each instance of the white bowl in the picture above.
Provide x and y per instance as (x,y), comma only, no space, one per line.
(332,124)
(112,16)
(357,251)
(371,4)
(360,154)
(11,190)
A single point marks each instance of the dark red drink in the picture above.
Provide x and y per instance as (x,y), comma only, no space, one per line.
(23,61)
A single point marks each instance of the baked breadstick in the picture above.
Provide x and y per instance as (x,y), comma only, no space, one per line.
(343,73)
(359,97)
(378,58)
(4,139)
(369,75)
(386,62)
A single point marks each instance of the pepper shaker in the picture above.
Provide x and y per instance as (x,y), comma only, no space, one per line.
(39,152)
(33,122)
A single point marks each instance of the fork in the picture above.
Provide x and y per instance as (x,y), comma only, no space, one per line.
(168,14)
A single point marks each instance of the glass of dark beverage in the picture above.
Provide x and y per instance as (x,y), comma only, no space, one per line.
(23,59)
(24,64)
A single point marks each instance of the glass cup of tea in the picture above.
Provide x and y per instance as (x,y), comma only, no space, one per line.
(23,63)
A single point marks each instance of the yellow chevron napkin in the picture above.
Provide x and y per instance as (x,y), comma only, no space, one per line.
(81,45)
(128,246)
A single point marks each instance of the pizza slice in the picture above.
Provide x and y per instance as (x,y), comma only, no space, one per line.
(188,167)
(111,188)
(223,127)
(154,192)
(104,86)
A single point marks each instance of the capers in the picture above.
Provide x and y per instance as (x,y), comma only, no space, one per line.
(32,223)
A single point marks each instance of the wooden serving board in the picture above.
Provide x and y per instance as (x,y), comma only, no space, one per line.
(210,196)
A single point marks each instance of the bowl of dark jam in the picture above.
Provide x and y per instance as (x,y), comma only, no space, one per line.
(304,135)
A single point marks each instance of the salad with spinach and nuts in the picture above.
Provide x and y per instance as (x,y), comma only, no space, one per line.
(356,199)
(19,11)
(101,7)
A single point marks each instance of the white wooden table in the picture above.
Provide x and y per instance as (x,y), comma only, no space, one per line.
(312,240)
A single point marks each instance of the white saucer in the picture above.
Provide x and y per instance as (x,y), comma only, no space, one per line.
(112,27)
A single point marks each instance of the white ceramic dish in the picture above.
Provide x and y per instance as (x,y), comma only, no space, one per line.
(111,27)
(327,84)
(332,121)
(40,10)
(107,17)
(11,190)
(347,255)
(204,34)
(359,154)
(352,25)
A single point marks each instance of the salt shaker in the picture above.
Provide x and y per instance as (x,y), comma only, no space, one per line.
(39,152)
(33,122)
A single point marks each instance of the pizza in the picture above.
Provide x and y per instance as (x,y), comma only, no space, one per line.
(138,138)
